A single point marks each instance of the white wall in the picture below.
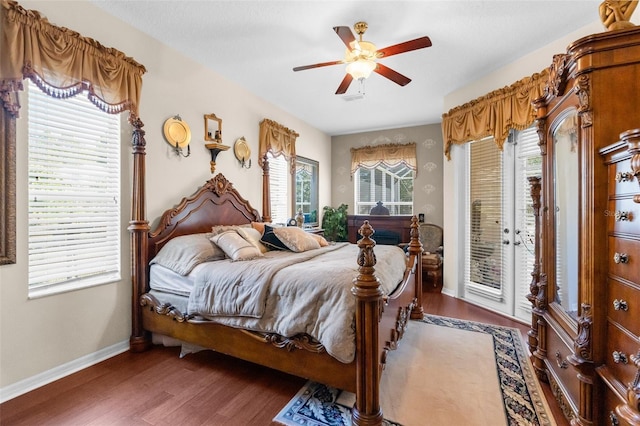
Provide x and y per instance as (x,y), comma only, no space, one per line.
(454,170)
(43,337)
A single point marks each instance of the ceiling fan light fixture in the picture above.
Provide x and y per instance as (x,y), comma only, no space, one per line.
(361,68)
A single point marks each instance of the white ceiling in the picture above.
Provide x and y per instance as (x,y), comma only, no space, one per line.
(257,43)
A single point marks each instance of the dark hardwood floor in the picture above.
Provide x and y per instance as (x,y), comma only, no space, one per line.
(206,388)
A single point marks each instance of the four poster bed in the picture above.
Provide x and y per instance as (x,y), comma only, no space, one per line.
(379,303)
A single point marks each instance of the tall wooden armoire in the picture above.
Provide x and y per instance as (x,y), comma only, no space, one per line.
(579,343)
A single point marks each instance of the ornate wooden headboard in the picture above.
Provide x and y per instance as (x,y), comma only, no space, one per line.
(216,203)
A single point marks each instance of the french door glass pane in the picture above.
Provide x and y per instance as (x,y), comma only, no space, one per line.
(485,257)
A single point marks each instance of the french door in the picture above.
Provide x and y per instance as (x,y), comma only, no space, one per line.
(499,229)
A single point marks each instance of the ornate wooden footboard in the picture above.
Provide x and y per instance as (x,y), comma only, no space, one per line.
(380,322)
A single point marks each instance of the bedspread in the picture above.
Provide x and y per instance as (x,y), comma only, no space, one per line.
(293,293)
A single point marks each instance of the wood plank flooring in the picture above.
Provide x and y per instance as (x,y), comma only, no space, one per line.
(159,388)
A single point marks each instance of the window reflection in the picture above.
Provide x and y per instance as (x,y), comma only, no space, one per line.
(306,190)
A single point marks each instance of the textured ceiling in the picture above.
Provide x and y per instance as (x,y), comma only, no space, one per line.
(257,43)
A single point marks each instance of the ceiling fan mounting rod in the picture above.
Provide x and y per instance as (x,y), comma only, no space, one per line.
(360,28)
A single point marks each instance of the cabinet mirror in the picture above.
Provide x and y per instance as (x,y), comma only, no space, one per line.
(566,218)
(305,190)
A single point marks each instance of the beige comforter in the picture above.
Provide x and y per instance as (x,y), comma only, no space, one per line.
(292,293)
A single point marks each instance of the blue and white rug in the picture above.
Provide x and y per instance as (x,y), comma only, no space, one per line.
(319,405)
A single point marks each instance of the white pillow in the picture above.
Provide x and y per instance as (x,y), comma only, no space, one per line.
(182,254)
(236,247)
(253,236)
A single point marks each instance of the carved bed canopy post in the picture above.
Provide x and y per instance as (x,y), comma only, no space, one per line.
(366,289)
(63,63)
(278,140)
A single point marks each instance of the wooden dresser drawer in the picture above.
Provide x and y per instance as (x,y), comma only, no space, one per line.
(557,352)
(620,346)
(611,401)
(623,302)
(624,184)
(624,216)
(624,258)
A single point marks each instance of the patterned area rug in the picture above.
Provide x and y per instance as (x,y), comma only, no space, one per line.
(320,405)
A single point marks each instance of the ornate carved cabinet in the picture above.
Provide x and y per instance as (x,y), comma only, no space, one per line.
(593,94)
(620,371)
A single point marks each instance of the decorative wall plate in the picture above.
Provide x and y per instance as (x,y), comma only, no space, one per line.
(177,132)
(242,150)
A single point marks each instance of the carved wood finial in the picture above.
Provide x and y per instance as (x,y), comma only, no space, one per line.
(616,14)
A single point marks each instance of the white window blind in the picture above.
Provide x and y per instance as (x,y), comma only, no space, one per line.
(74,194)
(485,260)
(528,164)
(279,188)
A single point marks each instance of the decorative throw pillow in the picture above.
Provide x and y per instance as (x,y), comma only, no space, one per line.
(253,236)
(182,254)
(236,247)
(259,226)
(320,239)
(296,239)
(271,240)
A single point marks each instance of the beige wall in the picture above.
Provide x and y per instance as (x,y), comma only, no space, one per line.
(428,183)
(454,170)
(41,335)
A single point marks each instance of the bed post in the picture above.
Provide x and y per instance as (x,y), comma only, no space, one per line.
(415,248)
(266,190)
(366,289)
(139,230)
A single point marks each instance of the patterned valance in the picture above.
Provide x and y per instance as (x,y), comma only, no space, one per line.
(390,155)
(62,63)
(278,140)
(494,114)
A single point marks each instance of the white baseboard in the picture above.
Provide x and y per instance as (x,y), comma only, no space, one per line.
(46,377)
(449,292)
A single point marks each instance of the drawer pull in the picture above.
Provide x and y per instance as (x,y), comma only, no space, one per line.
(621,258)
(619,357)
(614,419)
(620,305)
(624,177)
(561,362)
(622,216)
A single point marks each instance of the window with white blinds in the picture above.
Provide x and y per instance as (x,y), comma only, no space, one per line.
(74,194)
(485,260)
(279,188)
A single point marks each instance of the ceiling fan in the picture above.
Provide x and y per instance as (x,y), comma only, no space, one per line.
(361,57)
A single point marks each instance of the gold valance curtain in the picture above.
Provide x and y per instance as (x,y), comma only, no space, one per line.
(62,63)
(278,140)
(494,114)
(390,155)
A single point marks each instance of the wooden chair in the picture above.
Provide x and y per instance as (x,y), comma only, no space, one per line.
(431,237)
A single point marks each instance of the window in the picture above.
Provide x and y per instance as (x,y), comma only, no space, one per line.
(74,194)
(279,188)
(391,185)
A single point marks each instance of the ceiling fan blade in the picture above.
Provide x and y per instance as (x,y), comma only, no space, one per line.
(346,81)
(392,75)
(407,46)
(321,64)
(345,35)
